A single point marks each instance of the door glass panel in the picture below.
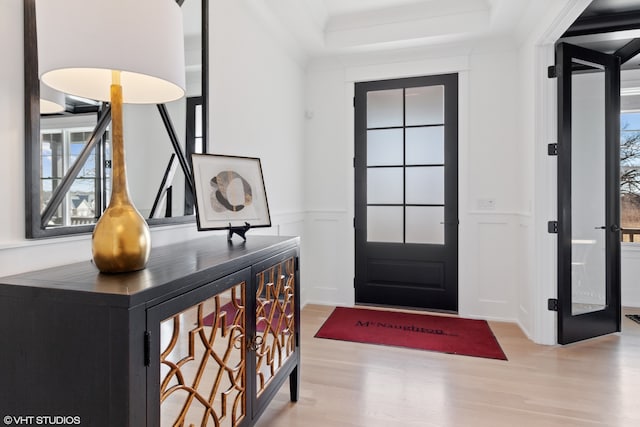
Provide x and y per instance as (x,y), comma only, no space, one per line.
(425,105)
(384,186)
(384,147)
(405,165)
(425,145)
(588,220)
(425,185)
(425,224)
(384,108)
(384,224)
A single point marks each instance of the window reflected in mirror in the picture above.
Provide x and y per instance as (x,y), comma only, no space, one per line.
(62,141)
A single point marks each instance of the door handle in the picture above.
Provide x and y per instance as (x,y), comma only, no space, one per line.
(614,228)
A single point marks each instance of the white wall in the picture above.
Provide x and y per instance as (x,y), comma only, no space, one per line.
(537,123)
(328,180)
(257,101)
(488,169)
(490,246)
(11,122)
(256,109)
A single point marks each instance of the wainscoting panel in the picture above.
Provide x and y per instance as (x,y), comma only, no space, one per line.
(490,265)
(525,295)
(328,249)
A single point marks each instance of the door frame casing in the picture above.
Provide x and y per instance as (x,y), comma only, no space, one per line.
(538,322)
(467,290)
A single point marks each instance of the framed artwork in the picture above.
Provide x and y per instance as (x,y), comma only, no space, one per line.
(230,192)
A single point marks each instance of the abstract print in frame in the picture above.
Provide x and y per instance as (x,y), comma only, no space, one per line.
(230,192)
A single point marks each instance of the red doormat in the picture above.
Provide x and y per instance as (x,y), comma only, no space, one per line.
(230,311)
(261,323)
(420,331)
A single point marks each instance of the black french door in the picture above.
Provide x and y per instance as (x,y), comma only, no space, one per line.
(588,193)
(406,192)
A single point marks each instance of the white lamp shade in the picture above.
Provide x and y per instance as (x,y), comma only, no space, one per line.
(51,101)
(81,41)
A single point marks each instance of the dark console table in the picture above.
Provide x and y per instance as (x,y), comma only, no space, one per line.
(205,335)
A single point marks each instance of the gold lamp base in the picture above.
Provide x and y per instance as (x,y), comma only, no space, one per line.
(121,239)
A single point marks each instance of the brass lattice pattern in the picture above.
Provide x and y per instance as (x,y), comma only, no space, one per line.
(203,378)
(275,320)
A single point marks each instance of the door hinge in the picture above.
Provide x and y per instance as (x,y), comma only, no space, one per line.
(552,227)
(354,102)
(354,222)
(551,72)
(354,162)
(552,304)
(552,149)
(147,348)
(354,283)
(297,264)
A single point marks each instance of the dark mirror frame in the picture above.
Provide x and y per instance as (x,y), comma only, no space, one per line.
(33,216)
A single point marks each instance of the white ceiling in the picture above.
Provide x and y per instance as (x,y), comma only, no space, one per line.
(326,27)
(339,7)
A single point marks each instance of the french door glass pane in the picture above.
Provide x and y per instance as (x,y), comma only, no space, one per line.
(417,143)
(384,147)
(425,185)
(384,186)
(384,224)
(425,105)
(425,145)
(588,263)
(384,108)
(425,224)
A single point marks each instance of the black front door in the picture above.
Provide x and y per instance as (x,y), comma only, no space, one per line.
(588,193)
(406,192)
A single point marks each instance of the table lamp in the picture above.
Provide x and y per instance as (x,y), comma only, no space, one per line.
(51,101)
(120,51)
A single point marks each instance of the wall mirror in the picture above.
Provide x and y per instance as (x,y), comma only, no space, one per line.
(67,153)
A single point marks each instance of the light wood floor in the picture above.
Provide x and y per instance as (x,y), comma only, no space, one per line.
(593,383)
